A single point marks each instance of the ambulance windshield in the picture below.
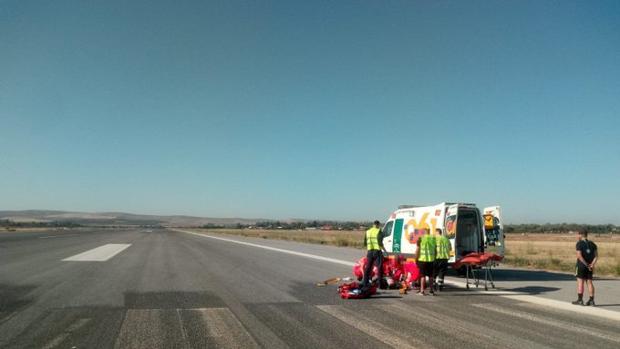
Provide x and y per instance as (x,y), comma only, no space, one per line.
(387,229)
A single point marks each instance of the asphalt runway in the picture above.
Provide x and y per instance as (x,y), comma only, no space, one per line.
(131,288)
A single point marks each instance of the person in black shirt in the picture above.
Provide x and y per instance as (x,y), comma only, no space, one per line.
(587,256)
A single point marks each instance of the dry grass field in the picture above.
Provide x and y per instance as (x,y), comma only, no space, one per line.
(557,252)
(537,251)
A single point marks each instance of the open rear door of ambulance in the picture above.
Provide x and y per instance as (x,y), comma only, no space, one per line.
(450,229)
(493,230)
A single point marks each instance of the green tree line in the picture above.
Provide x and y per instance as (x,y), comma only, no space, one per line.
(54,224)
(559,228)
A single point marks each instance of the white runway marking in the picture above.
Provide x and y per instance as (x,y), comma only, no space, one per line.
(225,329)
(593,311)
(373,329)
(99,254)
(54,343)
(56,236)
(437,320)
(560,305)
(301,254)
(142,329)
(579,328)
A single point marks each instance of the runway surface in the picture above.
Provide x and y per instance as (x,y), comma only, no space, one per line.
(133,288)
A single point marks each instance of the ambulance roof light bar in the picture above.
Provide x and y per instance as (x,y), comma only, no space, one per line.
(400,207)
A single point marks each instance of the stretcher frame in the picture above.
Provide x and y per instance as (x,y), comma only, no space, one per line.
(476,268)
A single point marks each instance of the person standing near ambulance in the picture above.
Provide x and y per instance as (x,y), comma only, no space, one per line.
(441,259)
(426,254)
(373,241)
(587,255)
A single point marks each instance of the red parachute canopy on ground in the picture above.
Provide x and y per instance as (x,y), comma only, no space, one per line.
(396,268)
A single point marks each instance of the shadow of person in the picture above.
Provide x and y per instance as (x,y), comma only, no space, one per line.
(505,274)
(532,290)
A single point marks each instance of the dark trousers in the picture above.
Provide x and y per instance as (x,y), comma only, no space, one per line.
(373,257)
(441,267)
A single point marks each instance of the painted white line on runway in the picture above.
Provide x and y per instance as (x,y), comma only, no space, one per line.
(223,327)
(56,236)
(579,328)
(301,254)
(144,329)
(593,311)
(54,343)
(374,329)
(438,320)
(560,305)
(99,254)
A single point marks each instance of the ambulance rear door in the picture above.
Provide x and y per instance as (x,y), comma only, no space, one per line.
(450,222)
(493,230)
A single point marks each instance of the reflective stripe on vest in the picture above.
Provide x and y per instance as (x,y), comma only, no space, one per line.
(443,247)
(372,241)
(427,249)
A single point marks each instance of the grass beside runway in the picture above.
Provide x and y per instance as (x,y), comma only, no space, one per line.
(557,252)
(554,252)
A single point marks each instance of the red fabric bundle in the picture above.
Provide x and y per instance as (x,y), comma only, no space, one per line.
(352,290)
(411,272)
(358,268)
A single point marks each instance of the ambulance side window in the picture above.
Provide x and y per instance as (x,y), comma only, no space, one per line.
(387,229)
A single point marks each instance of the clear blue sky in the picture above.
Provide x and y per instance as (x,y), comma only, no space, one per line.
(311,109)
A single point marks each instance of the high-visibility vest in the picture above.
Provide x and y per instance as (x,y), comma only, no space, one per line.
(372,238)
(443,247)
(427,249)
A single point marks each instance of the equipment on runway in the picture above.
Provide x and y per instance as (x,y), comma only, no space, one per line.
(476,237)
(333,281)
(474,263)
(398,274)
(353,290)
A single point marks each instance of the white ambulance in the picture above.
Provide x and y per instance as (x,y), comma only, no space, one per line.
(468,229)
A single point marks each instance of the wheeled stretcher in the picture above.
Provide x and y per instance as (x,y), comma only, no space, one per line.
(477,263)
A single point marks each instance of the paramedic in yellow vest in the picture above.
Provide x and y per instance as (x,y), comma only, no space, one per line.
(426,260)
(441,258)
(373,241)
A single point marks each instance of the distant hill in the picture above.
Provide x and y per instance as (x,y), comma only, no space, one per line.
(117,218)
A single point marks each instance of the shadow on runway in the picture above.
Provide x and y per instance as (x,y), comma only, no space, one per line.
(537,275)
(529,275)
(533,290)
(526,290)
